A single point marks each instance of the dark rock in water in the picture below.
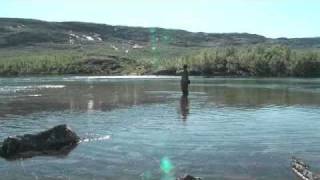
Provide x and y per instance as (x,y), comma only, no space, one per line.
(59,140)
(188,177)
(166,72)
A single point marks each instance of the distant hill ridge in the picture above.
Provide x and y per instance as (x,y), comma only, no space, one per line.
(20,32)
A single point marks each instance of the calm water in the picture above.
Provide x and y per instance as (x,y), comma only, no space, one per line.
(226,129)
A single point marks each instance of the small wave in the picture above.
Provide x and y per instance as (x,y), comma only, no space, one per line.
(50,86)
(103,138)
(121,77)
(34,95)
(15,89)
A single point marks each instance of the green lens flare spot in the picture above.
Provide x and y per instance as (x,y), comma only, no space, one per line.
(166,165)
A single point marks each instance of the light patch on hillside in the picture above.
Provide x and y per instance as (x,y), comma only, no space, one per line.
(83,37)
(89,38)
(137,46)
(114,47)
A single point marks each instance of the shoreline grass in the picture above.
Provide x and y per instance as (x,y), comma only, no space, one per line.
(243,61)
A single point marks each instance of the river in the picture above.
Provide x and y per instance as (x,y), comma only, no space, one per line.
(228,128)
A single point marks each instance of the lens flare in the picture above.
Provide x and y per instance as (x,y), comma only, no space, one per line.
(166,165)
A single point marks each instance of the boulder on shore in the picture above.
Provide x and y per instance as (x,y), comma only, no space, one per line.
(59,140)
(188,177)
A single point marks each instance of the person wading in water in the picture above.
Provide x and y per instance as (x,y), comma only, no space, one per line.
(185,81)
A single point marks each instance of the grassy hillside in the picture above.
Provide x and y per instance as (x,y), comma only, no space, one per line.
(39,47)
(15,32)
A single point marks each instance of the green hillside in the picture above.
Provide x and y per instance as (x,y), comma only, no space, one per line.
(38,47)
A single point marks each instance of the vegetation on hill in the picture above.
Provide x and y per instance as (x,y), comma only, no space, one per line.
(39,47)
(15,32)
(260,60)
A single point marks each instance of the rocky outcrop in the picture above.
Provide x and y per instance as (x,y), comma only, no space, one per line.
(170,72)
(106,65)
(188,177)
(59,140)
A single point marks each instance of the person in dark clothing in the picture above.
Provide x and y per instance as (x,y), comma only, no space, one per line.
(185,81)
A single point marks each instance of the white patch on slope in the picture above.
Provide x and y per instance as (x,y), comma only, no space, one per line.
(89,38)
(114,47)
(137,46)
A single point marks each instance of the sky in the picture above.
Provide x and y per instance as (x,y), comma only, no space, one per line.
(271,18)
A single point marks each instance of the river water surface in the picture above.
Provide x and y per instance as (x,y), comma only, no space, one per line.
(226,129)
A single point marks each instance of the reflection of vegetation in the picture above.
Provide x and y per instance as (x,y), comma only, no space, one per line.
(258,60)
(258,93)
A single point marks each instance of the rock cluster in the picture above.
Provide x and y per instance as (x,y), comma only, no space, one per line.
(55,141)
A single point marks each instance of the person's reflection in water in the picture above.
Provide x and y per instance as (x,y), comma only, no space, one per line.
(184,107)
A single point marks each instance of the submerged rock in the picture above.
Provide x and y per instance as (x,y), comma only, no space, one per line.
(59,140)
(188,177)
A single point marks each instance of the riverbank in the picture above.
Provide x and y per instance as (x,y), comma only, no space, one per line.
(253,61)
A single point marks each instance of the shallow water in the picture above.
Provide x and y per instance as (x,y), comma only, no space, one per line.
(226,129)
